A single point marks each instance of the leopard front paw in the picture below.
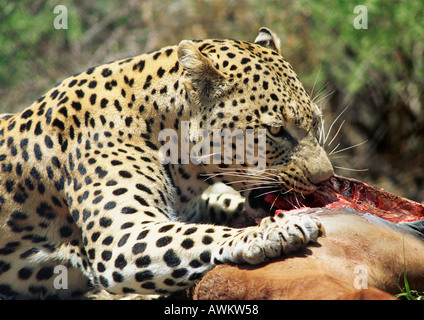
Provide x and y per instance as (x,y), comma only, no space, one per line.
(275,236)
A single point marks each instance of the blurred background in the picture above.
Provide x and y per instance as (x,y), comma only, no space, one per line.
(369,82)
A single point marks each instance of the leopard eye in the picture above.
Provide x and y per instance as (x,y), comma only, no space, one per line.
(279,132)
(274,130)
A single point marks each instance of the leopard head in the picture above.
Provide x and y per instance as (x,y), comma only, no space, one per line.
(244,86)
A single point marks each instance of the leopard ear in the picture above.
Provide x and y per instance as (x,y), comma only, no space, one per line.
(268,39)
(207,82)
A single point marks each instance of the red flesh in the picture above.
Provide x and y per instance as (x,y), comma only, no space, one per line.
(340,192)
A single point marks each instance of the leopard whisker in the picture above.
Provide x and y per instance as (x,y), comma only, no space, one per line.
(335,148)
(299,205)
(292,204)
(273,202)
(333,123)
(321,133)
(254,182)
(351,169)
(257,188)
(236,174)
(273,191)
(323,97)
(348,148)
(337,133)
(315,82)
(265,193)
(199,158)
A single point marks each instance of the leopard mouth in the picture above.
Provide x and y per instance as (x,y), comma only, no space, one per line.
(338,193)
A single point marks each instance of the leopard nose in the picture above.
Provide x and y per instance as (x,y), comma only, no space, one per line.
(320,168)
(321,176)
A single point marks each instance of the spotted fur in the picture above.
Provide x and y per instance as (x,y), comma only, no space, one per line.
(82,184)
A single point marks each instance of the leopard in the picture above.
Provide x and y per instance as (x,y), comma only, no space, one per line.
(91,199)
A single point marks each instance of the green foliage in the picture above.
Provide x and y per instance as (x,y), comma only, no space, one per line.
(392,45)
(406,292)
(26,30)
